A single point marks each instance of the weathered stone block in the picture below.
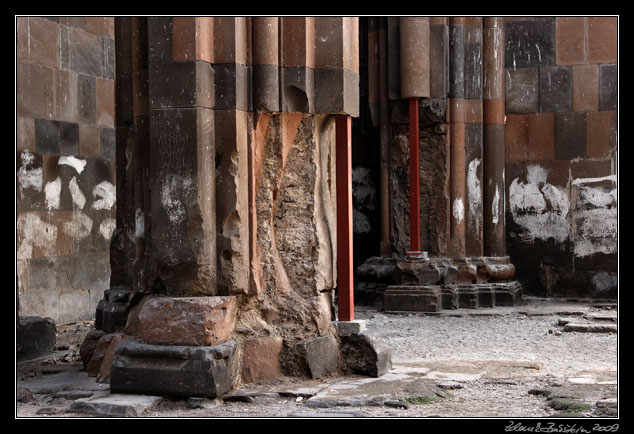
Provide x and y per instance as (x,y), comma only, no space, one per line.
(336,92)
(231,86)
(89,345)
(608,87)
(467,297)
(412,272)
(555,88)
(204,321)
(570,135)
(86,53)
(56,137)
(181,84)
(320,354)
(266,88)
(35,336)
(507,294)
(529,43)
(260,359)
(522,90)
(449,298)
(365,353)
(112,311)
(204,371)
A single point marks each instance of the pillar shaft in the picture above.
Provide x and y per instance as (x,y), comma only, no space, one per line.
(414,181)
(345,283)
(455,103)
(493,117)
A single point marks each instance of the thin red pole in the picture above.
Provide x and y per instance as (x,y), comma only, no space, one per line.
(345,282)
(414,188)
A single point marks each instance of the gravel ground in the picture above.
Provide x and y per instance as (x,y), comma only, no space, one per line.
(507,355)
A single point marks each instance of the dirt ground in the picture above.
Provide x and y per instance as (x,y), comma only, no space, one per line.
(492,363)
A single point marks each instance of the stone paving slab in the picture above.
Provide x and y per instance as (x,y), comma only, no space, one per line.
(116,405)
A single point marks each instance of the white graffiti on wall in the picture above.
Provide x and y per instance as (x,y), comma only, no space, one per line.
(595,219)
(474,194)
(36,233)
(587,216)
(540,208)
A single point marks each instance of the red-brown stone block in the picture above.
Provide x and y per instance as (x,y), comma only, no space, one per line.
(261,359)
(570,40)
(602,39)
(541,136)
(601,133)
(201,321)
(516,137)
(585,88)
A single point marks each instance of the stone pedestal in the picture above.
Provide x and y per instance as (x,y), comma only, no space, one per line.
(174,370)
(434,284)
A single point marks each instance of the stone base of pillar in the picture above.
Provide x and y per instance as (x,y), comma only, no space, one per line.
(434,284)
(174,370)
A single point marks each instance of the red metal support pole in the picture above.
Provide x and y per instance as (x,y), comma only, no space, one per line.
(414,185)
(345,282)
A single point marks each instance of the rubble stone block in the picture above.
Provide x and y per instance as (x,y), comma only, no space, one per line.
(321,355)
(35,336)
(89,345)
(202,321)
(260,359)
(364,353)
(174,370)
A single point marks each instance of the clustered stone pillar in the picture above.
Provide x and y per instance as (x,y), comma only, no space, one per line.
(225,147)
(493,114)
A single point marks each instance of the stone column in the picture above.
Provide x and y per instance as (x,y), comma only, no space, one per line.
(493,114)
(456,115)
(473,135)
(182,163)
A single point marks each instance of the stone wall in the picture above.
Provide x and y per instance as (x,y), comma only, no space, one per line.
(561,153)
(65,168)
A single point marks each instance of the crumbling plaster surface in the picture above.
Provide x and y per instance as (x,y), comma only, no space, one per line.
(295,246)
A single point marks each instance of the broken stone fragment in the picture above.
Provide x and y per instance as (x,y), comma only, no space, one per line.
(88,346)
(320,355)
(411,272)
(203,321)
(260,359)
(364,353)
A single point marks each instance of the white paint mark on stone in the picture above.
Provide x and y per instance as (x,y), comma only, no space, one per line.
(458,210)
(74,162)
(171,193)
(79,227)
(139,223)
(597,197)
(474,194)
(107,227)
(29,177)
(79,200)
(33,232)
(52,192)
(106,191)
(580,181)
(495,206)
(541,209)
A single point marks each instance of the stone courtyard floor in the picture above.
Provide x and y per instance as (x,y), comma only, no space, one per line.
(542,359)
